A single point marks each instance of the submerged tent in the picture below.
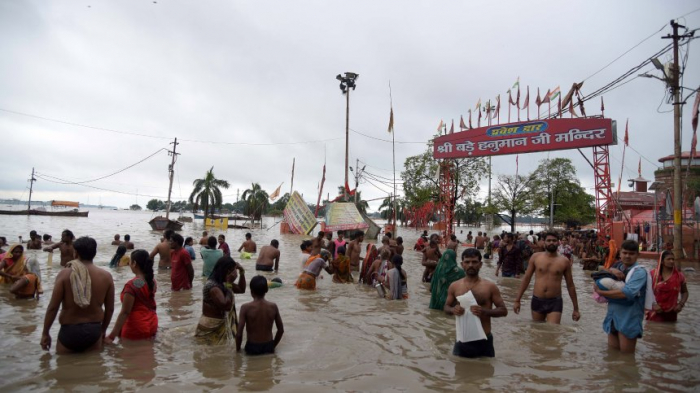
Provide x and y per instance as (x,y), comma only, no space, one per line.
(344,216)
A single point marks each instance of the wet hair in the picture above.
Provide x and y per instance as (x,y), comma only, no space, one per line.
(248,235)
(274,243)
(453,237)
(47,236)
(341,250)
(385,240)
(321,233)
(471,253)
(4,239)
(258,286)
(222,237)
(177,239)
(305,244)
(205,233)
(127,238)
(432,243)
(387,234)
(325,252)
(397,261)
(211,242)
(32,233)
(399,240)
(116,236)
(359,233)
(121,250)
(68,233)
(508,235)
(189,240)
(551,233)
(340,233)
(168,233)
(664,255)
(86,248)
(630,245)
(145,264)
(222,268)
(385,253)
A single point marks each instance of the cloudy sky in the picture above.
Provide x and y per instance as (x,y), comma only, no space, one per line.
(90,87)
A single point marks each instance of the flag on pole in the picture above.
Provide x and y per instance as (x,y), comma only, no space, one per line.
(478,120)
(478,104)
(571,109)
(554,94)
(391,120)
(517,100)
(580,105)
(470,119)
(452,127)
(510,98)
(516,84)
(559,104)
(693,147)
(639,169)
(462,126)
(695,110)
(276,193)
(498,105)
(547,97)
(441,125)
(570,95)
(602,105)
(538,100)
(627,137)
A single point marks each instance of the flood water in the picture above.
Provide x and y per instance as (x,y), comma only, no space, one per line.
(340,337)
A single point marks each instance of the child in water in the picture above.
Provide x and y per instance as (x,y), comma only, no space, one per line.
(256,319)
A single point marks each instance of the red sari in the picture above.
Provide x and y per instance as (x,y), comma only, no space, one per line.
(142,322)
(666,293)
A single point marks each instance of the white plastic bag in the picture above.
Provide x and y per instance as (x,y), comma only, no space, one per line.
(468,325)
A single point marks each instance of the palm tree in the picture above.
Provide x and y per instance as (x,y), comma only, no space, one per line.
(257,201)
(361,205)
(207,192)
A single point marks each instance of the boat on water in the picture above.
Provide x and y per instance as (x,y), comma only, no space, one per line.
(235,217)
(43,212)
(161,223)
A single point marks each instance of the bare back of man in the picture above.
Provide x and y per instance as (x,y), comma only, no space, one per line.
(102,295)
(549,268)
(163,251)
(316,245)
(249,246)
(268,258)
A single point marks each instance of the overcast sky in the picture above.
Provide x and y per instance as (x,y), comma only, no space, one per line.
(216,74)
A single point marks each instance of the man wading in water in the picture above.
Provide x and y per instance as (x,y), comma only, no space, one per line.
(66,247)
(549,267)
(487,296)
(163,249)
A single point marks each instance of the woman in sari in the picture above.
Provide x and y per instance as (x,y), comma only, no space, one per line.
(341,265)
(120,258)
(370,256)
(13,264)
(445,274)
(137,319)
(307,278)
(28,285)
(219,322)
(668,282)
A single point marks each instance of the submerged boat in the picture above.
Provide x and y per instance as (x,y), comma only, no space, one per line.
(43,212)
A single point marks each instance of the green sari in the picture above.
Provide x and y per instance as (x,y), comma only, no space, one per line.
(445,274)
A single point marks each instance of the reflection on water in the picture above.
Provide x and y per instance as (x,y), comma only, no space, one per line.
(340,337)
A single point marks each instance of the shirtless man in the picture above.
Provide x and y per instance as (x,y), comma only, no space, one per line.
(353,250)
(431,256)
(329,244)
(163,250)
(47,239)
(66,247)
(386,245)
(205,239)
(127,242)
(399,246)
(116,241)
(453,243)
(34,242)
(317,243)
(377,272)
(82,327)
(256,319)
(487,296)
(268,256)
(549,268)
(480,241)
(248,245)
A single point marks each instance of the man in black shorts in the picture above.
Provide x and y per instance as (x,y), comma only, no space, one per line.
(549,267)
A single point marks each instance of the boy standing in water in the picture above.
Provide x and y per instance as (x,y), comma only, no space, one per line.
(66,247)
(257,318)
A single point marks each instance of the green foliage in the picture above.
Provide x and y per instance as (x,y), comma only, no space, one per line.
(155,204)
(207,192)
(386,209)
(514,195)
(361,204)
(134,207)
(256,201)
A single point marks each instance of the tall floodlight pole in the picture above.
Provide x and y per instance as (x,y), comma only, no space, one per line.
(346,83)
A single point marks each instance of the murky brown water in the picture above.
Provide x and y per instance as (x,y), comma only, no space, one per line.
(341,337)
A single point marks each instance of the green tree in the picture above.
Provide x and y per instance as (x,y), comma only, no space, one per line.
(555,181)
(513,194)
(386,209)
(134,207)
(421,182)
(207,192)
(256,200)
(155,204)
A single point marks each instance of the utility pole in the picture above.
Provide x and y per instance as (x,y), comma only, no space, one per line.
(31,186)
(346,83)
(171,169)
(674,80)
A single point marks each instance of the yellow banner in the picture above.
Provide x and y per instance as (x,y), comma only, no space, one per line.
(216,223)
(298,215)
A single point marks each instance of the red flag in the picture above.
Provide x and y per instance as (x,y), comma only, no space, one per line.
(559,104)
(627,137)
(693,147)
(580,105)
(538,100)
(462,126)
(526,104)
(320,191)
(510,99)
(452,127)
(517,100)
(546,97)
(602,105)
(571,109)
(639,170)
(498,105)
(478,121)
(470,119)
